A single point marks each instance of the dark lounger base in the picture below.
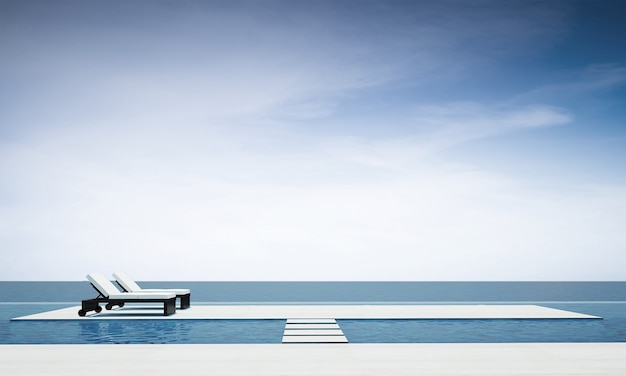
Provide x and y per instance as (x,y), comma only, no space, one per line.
(169,305)
(185,300)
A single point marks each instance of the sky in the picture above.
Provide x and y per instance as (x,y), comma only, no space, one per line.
(313,140)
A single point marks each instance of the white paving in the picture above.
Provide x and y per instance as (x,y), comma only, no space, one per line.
(311,326)
(548,359)
(202,312)
(315,339)
(311,321)
(313,332)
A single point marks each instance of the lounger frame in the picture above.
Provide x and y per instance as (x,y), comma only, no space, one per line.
(127,284)
(169,305)
(185,299)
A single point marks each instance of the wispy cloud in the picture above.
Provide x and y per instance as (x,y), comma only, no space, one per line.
(436,128)
(585,82)
(219,61)
(461,122)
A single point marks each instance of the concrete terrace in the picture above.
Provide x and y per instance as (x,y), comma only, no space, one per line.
(204,312)
(554,359)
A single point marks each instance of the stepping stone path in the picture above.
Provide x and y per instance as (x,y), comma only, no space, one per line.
(313,331)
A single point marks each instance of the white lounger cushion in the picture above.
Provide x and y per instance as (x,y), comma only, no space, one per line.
(130,285)
(109,290)
(126,282)
(171,291)
(142,295)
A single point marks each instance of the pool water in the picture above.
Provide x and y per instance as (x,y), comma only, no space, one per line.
(147,331)
(611,329)
(472,331)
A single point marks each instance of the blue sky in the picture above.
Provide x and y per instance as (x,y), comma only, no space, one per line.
(313,140)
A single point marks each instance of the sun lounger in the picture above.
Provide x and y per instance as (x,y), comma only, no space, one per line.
(109,294)
(129,285)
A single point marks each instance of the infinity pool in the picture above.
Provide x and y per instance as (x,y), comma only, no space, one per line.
(611,329)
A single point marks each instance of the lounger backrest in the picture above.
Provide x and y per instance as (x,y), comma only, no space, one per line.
(102,284)
(126,282)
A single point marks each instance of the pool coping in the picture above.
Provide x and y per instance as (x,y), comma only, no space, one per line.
(235,312)
(484,359)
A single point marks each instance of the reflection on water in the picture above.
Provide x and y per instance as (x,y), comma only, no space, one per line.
(477,331)
(135,331)
(143,331)
(611,329)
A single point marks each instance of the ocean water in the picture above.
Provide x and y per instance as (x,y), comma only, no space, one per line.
(339,292)
(605,299)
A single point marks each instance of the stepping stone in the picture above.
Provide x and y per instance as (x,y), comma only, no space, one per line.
(311,326)
(315,339)
(313,330)
(311,321)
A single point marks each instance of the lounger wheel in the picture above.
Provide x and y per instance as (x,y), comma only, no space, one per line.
(98,309)
(81,313)
(109,306)
(121,305)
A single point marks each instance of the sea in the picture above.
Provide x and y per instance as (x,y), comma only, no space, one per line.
(604,299)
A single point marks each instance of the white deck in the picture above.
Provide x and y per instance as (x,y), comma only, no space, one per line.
(311,326)
(477,359)
(315,339)
(313,332)
(204,312)
(311,321)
